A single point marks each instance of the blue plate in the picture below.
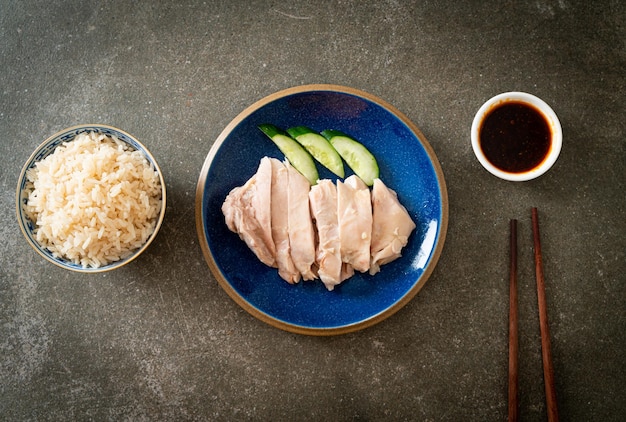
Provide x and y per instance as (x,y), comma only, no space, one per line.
(407,164)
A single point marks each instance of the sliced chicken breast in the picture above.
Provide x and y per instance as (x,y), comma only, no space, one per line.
(323,203)
(301,233)
(392,226)
(280,223)
(261,202)
(241,218)
(323,231)
(354,212)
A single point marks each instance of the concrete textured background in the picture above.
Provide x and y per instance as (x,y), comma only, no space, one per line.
(159,339)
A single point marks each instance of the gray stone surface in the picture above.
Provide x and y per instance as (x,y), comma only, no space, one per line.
(160,340)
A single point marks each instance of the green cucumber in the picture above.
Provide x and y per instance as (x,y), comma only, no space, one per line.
(299,158)
(359,158)
(319,148)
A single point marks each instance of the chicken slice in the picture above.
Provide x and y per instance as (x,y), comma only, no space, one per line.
(354,212)
(323,202)
(391,227)
(241,218)
(261,202)
(280,223)
(301,233)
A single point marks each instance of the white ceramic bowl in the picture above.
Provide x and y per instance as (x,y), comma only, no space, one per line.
(551,119)
(46,148)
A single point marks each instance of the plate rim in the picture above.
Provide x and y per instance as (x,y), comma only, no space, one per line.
(300,329)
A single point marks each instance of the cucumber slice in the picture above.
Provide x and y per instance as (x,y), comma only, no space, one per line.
(299,158)
(359,158)
(319,148)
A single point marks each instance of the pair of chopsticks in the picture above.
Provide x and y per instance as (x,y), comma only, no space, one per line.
(546,353)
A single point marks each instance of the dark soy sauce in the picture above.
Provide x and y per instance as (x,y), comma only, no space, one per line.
(515,137)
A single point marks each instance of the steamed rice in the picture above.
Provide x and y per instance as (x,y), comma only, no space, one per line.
(94,200)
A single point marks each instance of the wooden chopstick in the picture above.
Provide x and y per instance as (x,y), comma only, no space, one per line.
(546,353)
(513,335)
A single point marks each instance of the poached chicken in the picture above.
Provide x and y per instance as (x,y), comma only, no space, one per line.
(391,226)
(280,223)
(323,203)
(323,231)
